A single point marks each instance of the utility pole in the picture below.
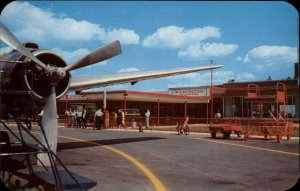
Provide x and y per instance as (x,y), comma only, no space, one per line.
(104,99)
(211,92)
(104,96)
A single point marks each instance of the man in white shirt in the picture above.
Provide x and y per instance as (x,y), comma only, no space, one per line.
(97,119)
(78,118)
(121,118)
(147,115)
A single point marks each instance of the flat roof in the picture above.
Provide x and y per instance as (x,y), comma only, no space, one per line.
(120,95)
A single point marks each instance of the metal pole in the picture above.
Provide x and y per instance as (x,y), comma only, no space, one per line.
(125,110)
(66,121)
(185,109)
(207,113)
(158,112)
(211,92)
(104,99)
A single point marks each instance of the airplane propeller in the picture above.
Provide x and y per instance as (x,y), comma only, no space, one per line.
(12,41)
(97,55)
(49,120)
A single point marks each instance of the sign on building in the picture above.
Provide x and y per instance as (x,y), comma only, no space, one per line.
(190,92)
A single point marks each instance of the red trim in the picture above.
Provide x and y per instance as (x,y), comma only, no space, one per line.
(218,88)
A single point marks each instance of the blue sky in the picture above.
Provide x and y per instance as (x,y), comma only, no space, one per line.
(252,40)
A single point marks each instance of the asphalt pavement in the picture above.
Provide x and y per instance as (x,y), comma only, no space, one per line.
(119,159)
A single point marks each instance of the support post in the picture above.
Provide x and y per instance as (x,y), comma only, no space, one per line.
(211,92)
(67,97)
(207,113)
(125,95)
(104,99)
(185,109)
(158,109)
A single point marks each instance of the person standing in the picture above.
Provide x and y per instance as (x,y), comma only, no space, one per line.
(219,115)
(69,117)
(78,118)
(121,119)
(84,117)
(147,115)
(113,122)
(106,118)
(73,117)
(97,119)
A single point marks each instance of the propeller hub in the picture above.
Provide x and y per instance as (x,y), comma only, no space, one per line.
(58,73)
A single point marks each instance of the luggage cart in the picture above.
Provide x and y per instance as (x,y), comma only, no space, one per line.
(225,126)
(268,116)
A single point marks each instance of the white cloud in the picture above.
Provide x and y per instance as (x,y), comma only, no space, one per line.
(207,50)
(239,58)
(71,56)
(128,70)
(265,57)
(124,35)
(246,59)
(177,37)
(269,52)
(39,24)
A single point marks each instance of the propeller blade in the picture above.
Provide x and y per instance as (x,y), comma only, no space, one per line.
(49,123)
(7,37)
(98,55)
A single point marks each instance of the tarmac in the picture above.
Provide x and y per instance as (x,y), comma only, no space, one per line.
(125,159)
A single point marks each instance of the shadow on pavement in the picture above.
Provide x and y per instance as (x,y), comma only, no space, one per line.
(76,145)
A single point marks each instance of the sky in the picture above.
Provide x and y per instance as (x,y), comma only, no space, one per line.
(252,40)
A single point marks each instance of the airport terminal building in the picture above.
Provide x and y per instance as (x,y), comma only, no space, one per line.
(230,99)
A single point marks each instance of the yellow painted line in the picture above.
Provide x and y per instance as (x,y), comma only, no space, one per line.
(246,146)
(155,181)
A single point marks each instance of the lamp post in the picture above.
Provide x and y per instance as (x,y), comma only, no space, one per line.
(67,97)
(211,92)
(125,95)
(104,99)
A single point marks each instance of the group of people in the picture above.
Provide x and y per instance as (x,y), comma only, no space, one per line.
(76,118)
(101,118)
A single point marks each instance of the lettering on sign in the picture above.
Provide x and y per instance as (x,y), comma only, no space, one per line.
(189,92)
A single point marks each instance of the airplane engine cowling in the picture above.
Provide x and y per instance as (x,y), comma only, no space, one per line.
(26,75)
(39,82)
